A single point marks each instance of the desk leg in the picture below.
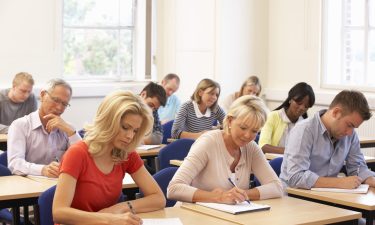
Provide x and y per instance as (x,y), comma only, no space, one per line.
(26,215)
(36,215)
(16,215)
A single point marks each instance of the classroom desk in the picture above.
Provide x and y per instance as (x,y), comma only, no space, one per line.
(17,191)
(367,142)
(176,162)
(3,142)
(364,203)
(3,137)
(151,153)
(187,217)
(286,211)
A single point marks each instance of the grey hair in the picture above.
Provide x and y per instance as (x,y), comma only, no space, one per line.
(51,84)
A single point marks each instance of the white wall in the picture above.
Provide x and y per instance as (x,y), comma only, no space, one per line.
(218,39)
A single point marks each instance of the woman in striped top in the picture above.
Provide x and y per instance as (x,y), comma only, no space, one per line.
(197,115)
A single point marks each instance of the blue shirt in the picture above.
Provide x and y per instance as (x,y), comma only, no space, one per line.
(169,111)
(310,153)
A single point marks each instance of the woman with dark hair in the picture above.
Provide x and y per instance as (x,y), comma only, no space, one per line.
(272,139)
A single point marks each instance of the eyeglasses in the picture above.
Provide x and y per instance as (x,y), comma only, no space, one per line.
(58,101)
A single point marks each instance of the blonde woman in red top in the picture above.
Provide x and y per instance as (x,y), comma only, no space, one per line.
(91,173)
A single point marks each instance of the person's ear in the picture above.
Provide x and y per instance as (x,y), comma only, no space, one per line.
(143,94)
(336,112)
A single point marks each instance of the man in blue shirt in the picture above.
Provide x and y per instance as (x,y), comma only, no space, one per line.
(170,83)
(318,147)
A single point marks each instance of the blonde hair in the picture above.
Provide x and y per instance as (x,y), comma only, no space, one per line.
(22,76)
(252,80)
(247,108)
(107,123)
(202,86)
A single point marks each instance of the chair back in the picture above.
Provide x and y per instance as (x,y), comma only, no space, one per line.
(167,131)
(276,166)
(45,206)
(4,159)
(175,150)
(4,171)
(163,177)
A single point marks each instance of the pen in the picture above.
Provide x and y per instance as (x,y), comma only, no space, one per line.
(131,207)
(230,180)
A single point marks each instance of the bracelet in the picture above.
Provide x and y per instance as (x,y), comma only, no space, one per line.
(131,207)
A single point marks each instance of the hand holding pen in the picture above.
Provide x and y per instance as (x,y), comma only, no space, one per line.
(246,197)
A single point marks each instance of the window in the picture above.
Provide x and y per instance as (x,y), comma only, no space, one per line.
(98,39)
(348,43)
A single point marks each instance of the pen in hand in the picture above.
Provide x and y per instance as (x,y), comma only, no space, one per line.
(230,180)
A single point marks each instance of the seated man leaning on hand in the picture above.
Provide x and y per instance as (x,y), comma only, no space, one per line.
(37,141)
(318,147)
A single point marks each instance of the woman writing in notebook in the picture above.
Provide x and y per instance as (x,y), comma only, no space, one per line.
(91,173)
(230,154)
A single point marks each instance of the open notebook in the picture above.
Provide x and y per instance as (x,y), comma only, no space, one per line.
(235,209)
(361,189)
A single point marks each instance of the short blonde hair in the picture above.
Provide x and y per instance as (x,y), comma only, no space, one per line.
(22,76)
(247,108)
(107,123)
(202,86)
(252,80)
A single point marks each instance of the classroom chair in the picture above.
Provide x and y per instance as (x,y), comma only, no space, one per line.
(167,129)
(6,217)
(175,150)
(45,206)
(163,177)
(4,159)
(276,166)
(45,201)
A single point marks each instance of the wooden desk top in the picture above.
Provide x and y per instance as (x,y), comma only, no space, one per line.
(270,156)
(176,162)
(17,187)
(359,201)
(3,137)
(286,211)
(187,217)
(151,152)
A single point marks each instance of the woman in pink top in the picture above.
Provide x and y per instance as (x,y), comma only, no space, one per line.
(218,156)
(92,170)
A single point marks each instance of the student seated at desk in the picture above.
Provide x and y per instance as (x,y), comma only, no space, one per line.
(38,140)
(251,86)
(220,155)
(90,182)
(198,115)
(279,122)
(318,147)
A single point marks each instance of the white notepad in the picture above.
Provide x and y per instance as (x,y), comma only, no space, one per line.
(147,147)
(361,189)
(166,221)
(235,209)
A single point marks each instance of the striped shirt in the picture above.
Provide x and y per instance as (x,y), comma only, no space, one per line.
(187,120)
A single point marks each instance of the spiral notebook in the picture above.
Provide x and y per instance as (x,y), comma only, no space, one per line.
(237,208)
